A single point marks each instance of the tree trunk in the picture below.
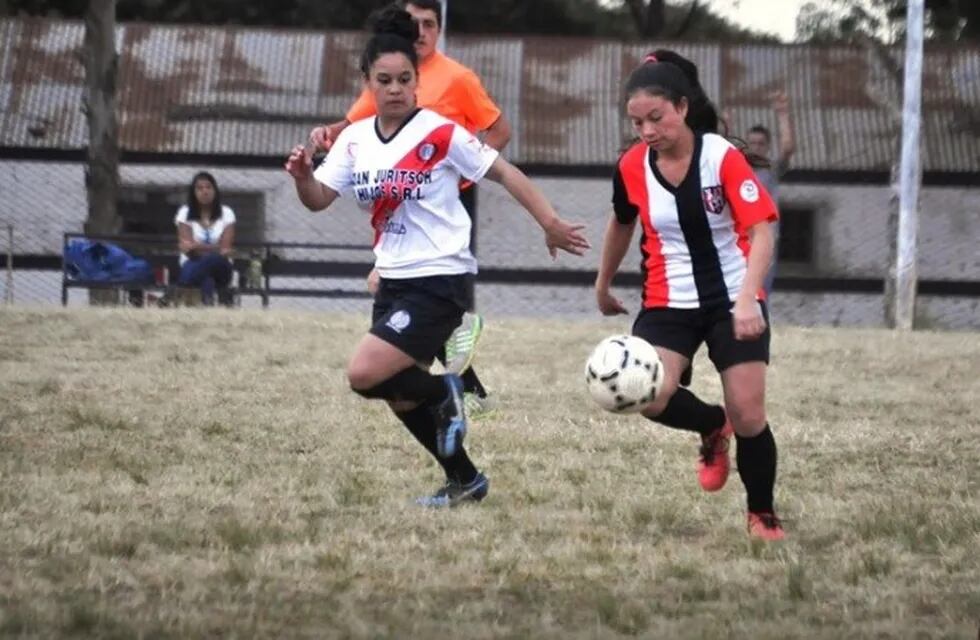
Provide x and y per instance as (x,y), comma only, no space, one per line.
(102,172)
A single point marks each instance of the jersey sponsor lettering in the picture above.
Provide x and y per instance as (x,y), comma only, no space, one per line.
(409,185)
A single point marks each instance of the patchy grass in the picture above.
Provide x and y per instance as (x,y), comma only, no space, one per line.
(189,473)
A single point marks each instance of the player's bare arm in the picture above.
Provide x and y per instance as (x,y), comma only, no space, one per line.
(314,195)
(615,244)
(747,317)
(558,233)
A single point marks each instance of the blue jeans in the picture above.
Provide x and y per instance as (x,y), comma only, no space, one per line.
(209,272)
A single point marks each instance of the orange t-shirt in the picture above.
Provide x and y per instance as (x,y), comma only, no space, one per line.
(446,87)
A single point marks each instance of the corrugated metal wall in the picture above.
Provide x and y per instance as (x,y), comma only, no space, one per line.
(259,91)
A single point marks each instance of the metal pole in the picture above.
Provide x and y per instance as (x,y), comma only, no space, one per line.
(441,45)
(8,295)
(908,207)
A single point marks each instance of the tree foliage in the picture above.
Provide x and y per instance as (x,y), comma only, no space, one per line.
(884,21)
(627,19)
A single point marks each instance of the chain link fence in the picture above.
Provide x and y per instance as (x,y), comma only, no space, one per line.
(223,96)
(834,235)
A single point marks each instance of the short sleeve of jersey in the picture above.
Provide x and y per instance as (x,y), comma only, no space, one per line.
(181,217)
(626,212)
(470,157)
(336,171)
(474,102)
(749,201)
(229,215)
(363,107)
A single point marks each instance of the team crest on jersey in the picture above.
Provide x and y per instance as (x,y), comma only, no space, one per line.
(713,199)
(426,151)
(399,321)
(748,191)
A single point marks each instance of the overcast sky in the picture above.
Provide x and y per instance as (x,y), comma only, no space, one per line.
(772,16)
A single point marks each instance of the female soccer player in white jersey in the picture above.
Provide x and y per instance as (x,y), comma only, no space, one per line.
(404,166)
(452,90)
(706,245)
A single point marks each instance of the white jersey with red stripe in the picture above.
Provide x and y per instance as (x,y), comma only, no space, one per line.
(695,245)
(410,184)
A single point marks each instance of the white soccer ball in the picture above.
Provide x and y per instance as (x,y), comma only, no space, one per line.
(624,374)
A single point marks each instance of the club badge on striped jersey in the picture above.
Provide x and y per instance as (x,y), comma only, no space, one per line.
(713,199)
(426,151)
(749,191)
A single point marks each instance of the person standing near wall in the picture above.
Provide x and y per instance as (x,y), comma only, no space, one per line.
(759,141)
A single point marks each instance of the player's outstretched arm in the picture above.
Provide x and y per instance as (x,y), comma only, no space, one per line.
(558,233)
(315,195)
(615,244)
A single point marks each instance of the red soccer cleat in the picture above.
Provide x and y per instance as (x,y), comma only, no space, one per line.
(713,463)
(765,526)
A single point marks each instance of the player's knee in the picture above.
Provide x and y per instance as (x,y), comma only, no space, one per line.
(664,394)
(747,418)
(360,377)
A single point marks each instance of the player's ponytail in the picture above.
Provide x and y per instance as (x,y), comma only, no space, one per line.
(660,75)
(701,114)
(394,32)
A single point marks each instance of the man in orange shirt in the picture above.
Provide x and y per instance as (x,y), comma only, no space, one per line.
(445,86)
(455,92)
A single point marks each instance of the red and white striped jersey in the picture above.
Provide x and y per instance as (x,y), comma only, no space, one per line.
(410,184)
(694,243)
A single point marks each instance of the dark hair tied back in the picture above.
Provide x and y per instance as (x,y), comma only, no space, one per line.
(395,31)
(672,76)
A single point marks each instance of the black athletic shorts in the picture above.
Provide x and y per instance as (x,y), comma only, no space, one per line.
(418,315)
(683,331)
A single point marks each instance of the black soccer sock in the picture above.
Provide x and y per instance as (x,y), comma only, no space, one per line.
(756,459)
(688,412)
(421,424)
(409,384)
(472,384)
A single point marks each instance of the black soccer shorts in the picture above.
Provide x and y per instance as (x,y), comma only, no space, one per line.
(418,315)
(684,330)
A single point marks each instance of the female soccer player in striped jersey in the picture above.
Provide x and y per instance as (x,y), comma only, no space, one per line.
(706,245)
(404,167)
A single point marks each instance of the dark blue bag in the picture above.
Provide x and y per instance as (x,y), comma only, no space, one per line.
(104,262)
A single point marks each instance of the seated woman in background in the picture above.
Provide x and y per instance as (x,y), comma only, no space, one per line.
(205,237)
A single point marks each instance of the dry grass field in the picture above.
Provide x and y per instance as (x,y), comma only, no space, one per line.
(190,473)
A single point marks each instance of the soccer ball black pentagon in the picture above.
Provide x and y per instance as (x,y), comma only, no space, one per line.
(624,374)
